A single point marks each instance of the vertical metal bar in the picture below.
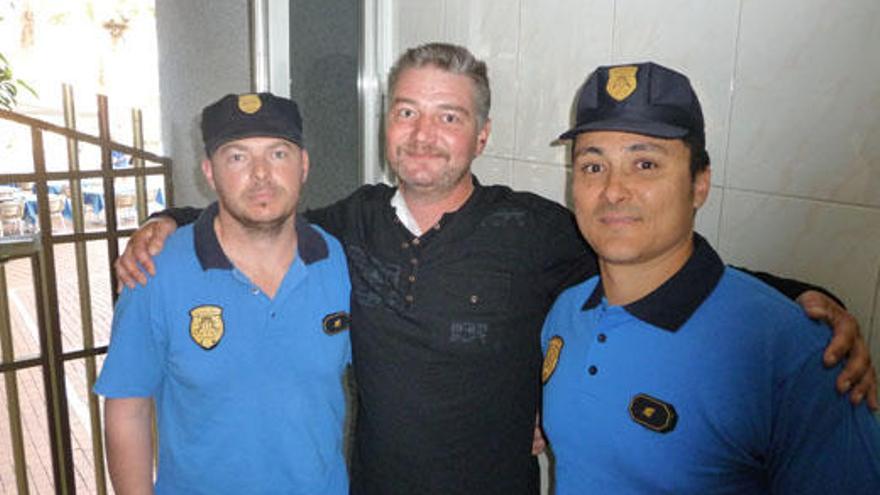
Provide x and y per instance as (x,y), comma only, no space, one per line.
(278,39)
(373,62)
(109,188)
(259,12)
(50,331)
(73,158)
(91,376)
(12,404)
(137,131)
(85,299)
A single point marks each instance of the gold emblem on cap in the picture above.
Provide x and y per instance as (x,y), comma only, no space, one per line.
(551,358)
(206,325)
(249,103)
(621,81)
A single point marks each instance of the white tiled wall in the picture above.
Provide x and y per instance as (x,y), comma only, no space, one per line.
(791,93)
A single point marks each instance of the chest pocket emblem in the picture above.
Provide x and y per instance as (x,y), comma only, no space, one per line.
(206,326)
(336,322)
(653,414)
(551,358)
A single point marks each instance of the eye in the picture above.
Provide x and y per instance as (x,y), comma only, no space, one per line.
(646,165)
(236,157)
(405,113)
(279,154)
(591,168)
(449,118)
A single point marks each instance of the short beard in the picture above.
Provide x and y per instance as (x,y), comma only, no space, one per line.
(447,179)
(268,228)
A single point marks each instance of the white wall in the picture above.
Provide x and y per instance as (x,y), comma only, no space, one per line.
(203,55)
(791,96)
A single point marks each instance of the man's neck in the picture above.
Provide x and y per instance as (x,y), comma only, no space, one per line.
(264,256)
(427,207)
(625,283)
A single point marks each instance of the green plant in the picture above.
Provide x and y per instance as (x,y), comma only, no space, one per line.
(10,86)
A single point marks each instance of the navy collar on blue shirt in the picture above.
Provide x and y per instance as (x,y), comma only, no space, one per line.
(673,303)
(310,245)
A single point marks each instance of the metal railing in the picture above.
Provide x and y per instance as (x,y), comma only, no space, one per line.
(40,248)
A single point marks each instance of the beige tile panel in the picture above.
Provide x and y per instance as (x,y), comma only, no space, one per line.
(806,112)
(709,216)
(493,170)
(548,180)
(489,29)
(835,246)
(416,23)
(561,42)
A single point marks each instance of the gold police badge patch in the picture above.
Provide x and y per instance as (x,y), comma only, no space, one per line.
(336,322)
(250,103)
(206,326)
(551,358)
(652,413)
(621,82)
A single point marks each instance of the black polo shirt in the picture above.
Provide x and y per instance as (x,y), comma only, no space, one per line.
(446,337)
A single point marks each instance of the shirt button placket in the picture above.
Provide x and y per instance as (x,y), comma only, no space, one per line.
(601,338)
(414,263)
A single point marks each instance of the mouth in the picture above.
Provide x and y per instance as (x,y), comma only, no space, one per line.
(261,195)
(619,220)
(422,153)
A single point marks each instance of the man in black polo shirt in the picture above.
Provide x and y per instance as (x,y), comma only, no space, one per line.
(451,281)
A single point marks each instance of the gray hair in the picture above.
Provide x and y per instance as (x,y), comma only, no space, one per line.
(450,58)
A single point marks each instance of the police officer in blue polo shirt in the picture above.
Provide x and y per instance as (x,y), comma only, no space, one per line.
(670,372)
(241,339)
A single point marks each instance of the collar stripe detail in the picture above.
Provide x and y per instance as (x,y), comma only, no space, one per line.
(672,304)
(311,246)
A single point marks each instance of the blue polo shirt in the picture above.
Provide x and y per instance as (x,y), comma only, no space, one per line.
(713,383)
(248,389)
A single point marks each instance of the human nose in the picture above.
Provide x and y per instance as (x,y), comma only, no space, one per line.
(259,168)
(616,188)
(424,128)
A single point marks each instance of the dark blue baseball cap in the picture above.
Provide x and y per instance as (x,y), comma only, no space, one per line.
(250,115)
(641,98)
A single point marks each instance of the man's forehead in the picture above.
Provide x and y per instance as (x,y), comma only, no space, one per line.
(426,80)
(596,141)
(257,142)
